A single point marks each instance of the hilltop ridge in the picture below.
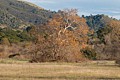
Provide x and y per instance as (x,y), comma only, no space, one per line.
(15,13)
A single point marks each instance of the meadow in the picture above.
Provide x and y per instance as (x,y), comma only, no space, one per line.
(91,70)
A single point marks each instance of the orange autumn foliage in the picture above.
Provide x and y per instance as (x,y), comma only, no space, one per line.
(64,36)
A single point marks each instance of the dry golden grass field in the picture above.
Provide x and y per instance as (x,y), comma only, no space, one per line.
(94,70)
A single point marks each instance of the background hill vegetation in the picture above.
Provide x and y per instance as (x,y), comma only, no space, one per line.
(31,32)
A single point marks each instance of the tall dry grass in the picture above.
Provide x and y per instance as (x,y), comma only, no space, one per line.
(58,71)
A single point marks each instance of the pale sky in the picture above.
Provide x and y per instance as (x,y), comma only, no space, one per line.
(86,7)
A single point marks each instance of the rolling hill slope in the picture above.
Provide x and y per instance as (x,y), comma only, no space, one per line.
(14,13)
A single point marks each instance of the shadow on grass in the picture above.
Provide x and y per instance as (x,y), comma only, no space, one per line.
(109,65)
(57,77)
(103,78)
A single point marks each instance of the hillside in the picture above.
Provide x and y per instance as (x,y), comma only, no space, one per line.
(106,37)
(14,13)
(30,32)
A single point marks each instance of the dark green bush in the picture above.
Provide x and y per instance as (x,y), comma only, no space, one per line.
(89,53)
(102,32)
(15,36)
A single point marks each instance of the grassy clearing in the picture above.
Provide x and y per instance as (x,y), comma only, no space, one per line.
(12,61)
(59,71)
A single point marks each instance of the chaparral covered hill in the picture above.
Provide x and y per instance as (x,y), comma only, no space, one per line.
(30,32)
(15,13)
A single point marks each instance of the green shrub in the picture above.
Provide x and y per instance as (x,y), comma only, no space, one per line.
(15,36)
(102,32)
(89,53)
